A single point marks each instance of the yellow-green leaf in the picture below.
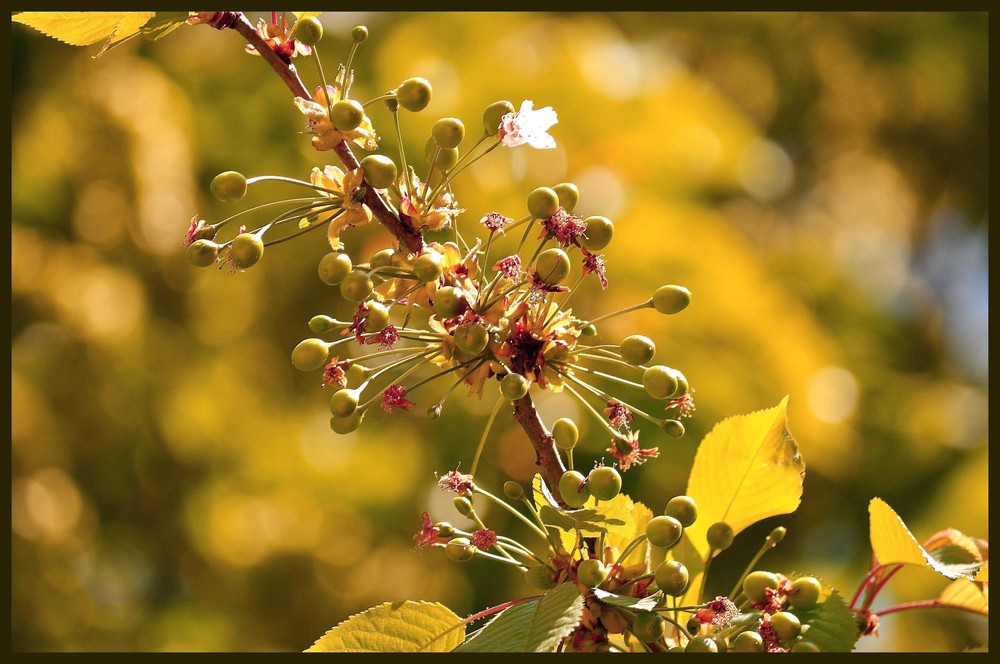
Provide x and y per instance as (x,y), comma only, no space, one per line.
(396,627)
(301,15)
(892,543)
(966,595)
(983,575)
(85,28)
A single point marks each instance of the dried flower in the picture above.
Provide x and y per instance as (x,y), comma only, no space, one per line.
(618,414)
(458,483)
(395,397)
(484,538)
(628,453)
(563,226)
(428,535)
(387,338)
(495,222)
(594,263)
(719,613)
(335,373)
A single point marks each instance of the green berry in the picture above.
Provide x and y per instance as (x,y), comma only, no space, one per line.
(414,94)
(552,266)
(359,34)
(804,646)
(720,643)
(334,267)
(720,536)
(701,644)
(356,286)
(471,338)
(229,186)
(446,157)
(569,195)
(347,114)
(682,383)
(673,428)
(513,386)
(513,490)
(246,250)
(565,433)
(308,31)
(647,626)
(591,572)
(637,349)
(321,324)
(671,299)
(357,374)
(573,488)
(463,506)
(747,642)
(202,253)
(448,132)
(776,535)
(664,531)
(672,577)
(682,508)
(756,583)
(345,425)
(543,203)
(449,302)
(382,258)
(310,354)
(660,382)
(598,234)
(460,549)
(428,266)
(786,625)
(805,593)
(380,171)
(589,330)
(605,482)
(376,318)
(493,115)
(343,402)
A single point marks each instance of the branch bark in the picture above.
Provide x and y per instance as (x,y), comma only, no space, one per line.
(546,455)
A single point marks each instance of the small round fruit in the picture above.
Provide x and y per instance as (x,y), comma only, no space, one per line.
(359,34)
(664,531)
(672,577)
(569,195)
(377,317)
(357,374)
(229,186)
(589,330)
(347,114)
(804,646)
(786,625)
(682,383)
(448,132)
(380,171)
(720,536)
(463,506)
(343,402)
(246,250)
(637,349)
(591,572)
(598,234)
(427,267)
(202,253)
(671,299)
(345,425)
(756,583)
(471,338)
(659,381)
(513,386)
(449,302)
(321,324)
(776,535)
(747,642)
(701,644)
(647,626)
(381,258)
(493,115)
(682,508)
(513,490)
(445,529)
(310,354)
(552,266)
(565,433)
(334,267)
(460,549)
(605,482)
(673,428)
(308,31)
(543,202)
(356,286)
(446,157)
(805,593)
(414,94)
(720,643)
(573,488)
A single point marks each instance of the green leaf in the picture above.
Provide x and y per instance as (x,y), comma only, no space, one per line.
(395,627)
(637,603)
(588,520)
(163,24)
(85,28)
(833,629)
(537,625)
(892,543)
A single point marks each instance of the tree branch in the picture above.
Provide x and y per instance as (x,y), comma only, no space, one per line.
(546,456)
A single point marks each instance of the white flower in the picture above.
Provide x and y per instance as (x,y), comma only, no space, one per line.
(528,126)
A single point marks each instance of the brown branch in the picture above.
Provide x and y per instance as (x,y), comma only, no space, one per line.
(546,456)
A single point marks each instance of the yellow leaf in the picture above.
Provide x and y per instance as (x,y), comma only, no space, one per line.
(301,15)
(395,627)
(892,543)
(747,468)
(85,28)
(635,515)
(967,595)
(951,537)
(983,575)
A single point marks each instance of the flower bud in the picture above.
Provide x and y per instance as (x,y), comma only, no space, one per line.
(552,266)
(229,186)
(428,266)
(637,349)
(598,234)
(381,258)
(345,425)
(776,535)
(448,132)
(463,506)
(573,488)
(569,195)
(377,317)
(246,250)
(308,31)
(321,324)
(565,433)
(414,94)
(671,299)
(310,354)
(471,338)
(659,381)
(513,490)
(380,171)
(494,114)
(513,386)
(356,286)
(359,34)
(334,267)
(460,549)
(202,253)
(720,536)
(673,428)
(543,202)
(343,402)
(347,114)
(449,301)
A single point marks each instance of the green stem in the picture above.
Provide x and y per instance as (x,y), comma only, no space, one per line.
(645,305)
(482,440)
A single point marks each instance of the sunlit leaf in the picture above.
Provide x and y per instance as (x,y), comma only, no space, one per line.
(163,24)
(967,595)
(983,575)
(301,15)
(586,520)
(892,543)
(637,603)
(85,28)
(834,628)
(395,627)
(532,626)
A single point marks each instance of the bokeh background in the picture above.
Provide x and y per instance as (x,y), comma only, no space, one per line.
(819,181)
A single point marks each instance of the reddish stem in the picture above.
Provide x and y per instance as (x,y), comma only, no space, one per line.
(922,604)
(546,456)
(881,584)
(872,573)
(497,608)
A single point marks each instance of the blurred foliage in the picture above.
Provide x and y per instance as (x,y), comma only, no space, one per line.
(819,182)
